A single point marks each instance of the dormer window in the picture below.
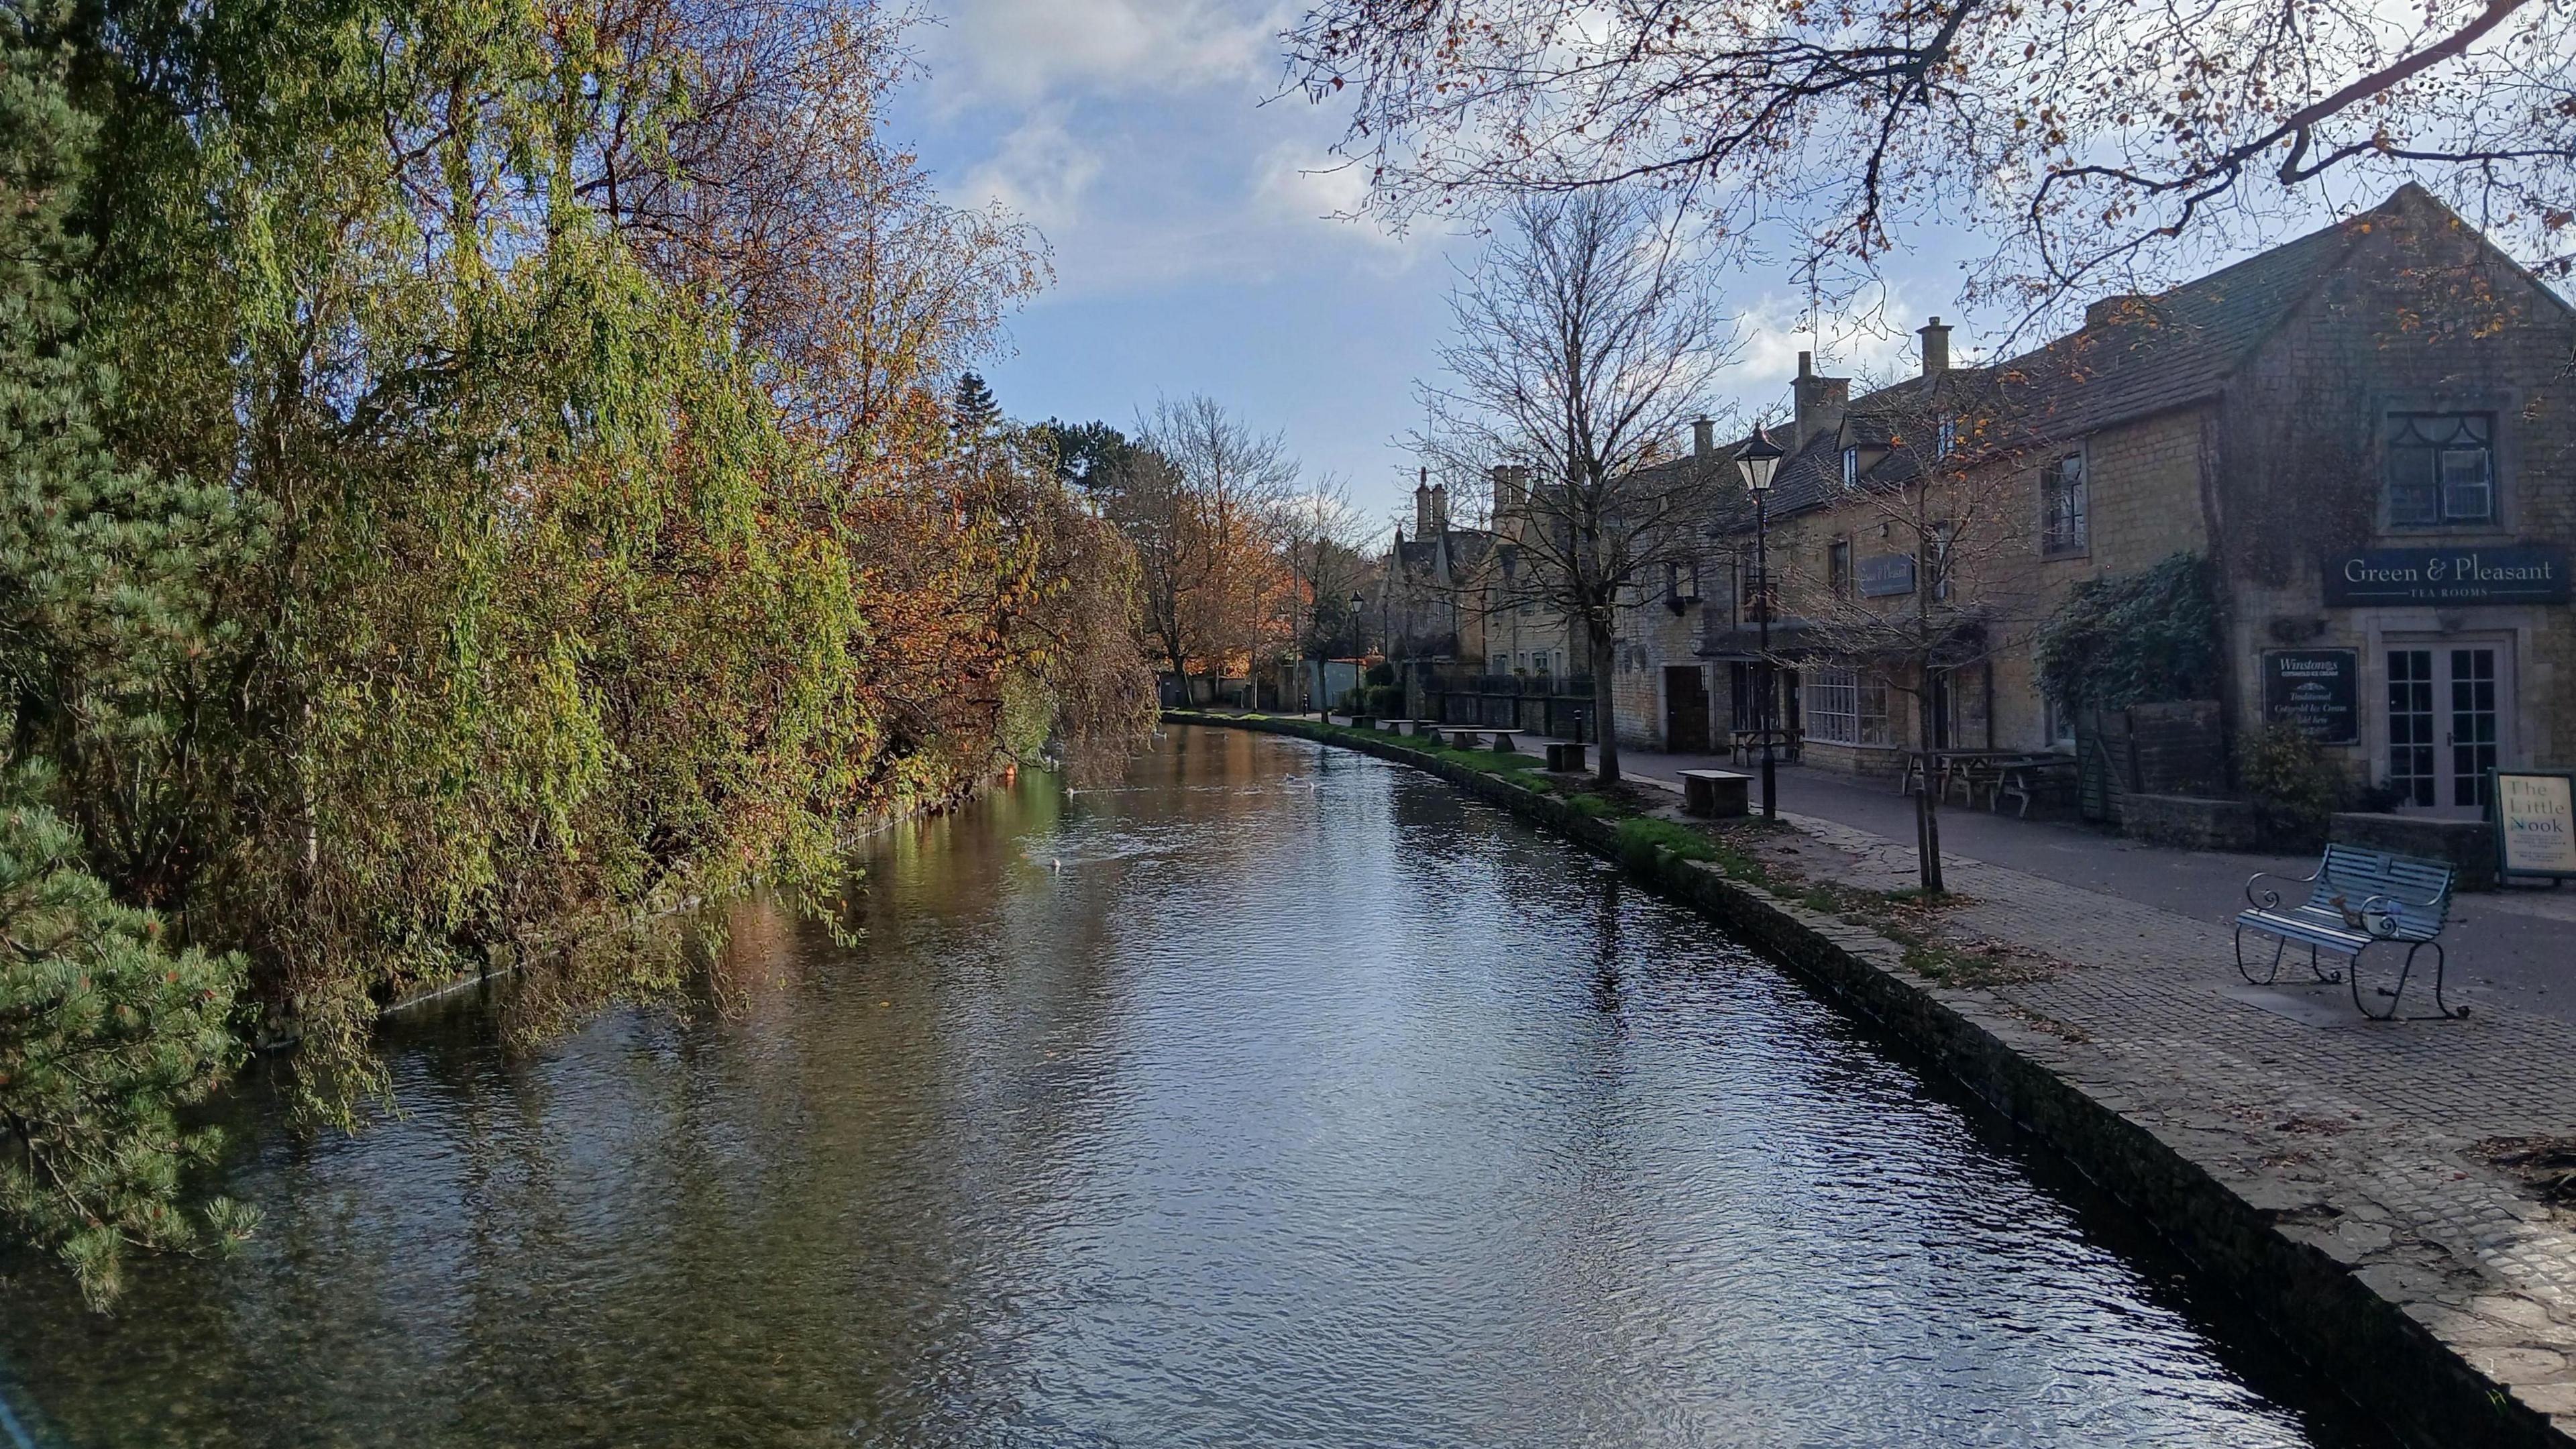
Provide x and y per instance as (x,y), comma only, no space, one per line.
(1851,467)
(1946,436)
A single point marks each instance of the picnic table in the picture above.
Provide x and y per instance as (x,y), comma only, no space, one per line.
(1744,745)
(2021,774)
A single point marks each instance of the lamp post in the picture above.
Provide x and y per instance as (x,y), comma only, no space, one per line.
(1758,460)
(1359,626)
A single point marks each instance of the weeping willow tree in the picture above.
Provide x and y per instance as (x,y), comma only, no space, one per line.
(447,525)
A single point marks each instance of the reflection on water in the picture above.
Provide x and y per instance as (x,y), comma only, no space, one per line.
(1277,1096)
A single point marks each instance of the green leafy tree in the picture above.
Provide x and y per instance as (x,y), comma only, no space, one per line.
(105,1033)
(974,411)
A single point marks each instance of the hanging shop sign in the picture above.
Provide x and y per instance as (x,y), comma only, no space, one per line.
(1886,575)
(2318,690)
(2535,821)
(2517,573)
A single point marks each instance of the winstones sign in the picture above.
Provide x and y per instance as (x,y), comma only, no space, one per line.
(2317,690)
(2520,573)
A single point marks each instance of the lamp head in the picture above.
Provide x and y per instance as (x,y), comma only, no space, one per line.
(1758,460)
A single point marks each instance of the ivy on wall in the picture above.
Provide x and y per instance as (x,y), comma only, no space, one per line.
(2141,638)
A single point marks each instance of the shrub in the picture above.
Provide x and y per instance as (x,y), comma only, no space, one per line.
(1381,673)
(1386,701)
(2293,784)
(2142,638)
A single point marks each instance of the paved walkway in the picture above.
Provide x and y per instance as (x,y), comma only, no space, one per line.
(2508,948)
(2360,1136)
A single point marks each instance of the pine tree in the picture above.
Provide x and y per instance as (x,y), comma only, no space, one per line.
(105,1032)
(973,412)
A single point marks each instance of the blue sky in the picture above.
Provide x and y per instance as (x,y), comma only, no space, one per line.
(1193,243)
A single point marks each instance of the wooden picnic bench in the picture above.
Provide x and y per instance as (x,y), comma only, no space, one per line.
(1746,745)
(2024,777)
(1717,793)
(2357,899)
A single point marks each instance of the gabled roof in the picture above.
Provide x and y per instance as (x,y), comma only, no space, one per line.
(2134,358)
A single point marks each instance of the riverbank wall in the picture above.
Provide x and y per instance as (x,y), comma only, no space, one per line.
(2368,1333)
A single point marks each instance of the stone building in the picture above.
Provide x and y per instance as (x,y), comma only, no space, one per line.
(1462,598)
(2365,432)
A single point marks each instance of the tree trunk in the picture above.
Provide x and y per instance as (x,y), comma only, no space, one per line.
(1927,805)
(1596,638)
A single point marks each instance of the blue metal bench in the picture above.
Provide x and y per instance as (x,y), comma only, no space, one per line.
(2357,899)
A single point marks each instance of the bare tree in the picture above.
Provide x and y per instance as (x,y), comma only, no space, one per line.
(1587,344)
(1939,470)
(1323,540)
(2094,140)
(1202,510)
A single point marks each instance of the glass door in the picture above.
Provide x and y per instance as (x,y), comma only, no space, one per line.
(2449,710)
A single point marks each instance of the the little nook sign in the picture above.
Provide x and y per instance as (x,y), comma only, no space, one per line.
(2316,689)
(2519,573)
(2535,819)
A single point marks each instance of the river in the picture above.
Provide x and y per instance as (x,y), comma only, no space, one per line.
(1276,1095)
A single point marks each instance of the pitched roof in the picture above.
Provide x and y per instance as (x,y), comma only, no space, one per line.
(2133,358)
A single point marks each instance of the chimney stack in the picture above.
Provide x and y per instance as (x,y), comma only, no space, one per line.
(1936,348)
(1422,504)
(1440,507)
(1819,402)
(2117,308)
(1508,482)
(1703,441)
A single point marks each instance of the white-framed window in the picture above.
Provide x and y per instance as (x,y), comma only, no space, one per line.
(2064,508)
(1851,467)
(2441,469)
(1946,436)
(1847,707)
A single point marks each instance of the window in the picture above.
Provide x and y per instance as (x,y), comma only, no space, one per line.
(2063,507)
(1936,560)
(1945,439)
(1847,707)
(2441,469)
(1838,575)
(1851,467)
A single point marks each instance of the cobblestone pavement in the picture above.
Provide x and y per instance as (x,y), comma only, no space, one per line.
(2356,1135)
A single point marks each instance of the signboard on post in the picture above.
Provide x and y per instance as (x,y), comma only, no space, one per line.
(2318,690)
(2535,821)
(1886,575)
(2518,573)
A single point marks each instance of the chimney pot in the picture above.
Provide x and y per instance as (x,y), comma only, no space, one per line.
(1936,348)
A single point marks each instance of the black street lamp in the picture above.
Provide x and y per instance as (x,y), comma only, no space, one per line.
(1758,460)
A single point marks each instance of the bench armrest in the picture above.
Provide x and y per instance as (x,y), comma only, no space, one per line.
(2381,912)
(2268,899)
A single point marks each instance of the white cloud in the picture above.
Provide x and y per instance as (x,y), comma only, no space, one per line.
(1302,197)
(1039,170)
(1020,50)
(1872,342)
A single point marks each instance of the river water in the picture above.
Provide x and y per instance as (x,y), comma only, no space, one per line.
(1276,1096)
